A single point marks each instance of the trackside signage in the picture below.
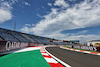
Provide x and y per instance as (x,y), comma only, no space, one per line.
(15,45)
(86,48)
(91,48)
(6,46)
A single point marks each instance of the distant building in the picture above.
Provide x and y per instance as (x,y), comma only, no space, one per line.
(93,43)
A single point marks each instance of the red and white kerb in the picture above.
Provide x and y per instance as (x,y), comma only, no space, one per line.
(49,59)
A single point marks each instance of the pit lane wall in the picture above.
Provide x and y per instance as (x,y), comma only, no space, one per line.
(6,46)
(91,48)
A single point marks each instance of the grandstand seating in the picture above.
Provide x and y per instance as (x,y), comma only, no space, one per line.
(35,39)
(61,43)
(39,39)
(5,34)
(27,37)
(18,36)
(45,40)
(23,37)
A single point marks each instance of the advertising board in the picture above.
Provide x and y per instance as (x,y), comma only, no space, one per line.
(91,48)
(6,46)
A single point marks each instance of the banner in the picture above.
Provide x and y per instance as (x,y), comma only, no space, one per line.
(6,46)
(91,48)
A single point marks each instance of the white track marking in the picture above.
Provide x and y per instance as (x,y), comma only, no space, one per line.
(50,60)
(44,54)
(77,50)
(98,54)
(86,52)
(28,49)
(42,51)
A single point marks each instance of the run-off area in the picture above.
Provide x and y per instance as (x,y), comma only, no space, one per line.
(24,59)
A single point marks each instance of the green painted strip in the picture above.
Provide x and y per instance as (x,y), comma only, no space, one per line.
(24,59)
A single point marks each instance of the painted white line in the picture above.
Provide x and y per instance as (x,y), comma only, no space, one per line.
(50,60)
(42,51)
(98,54)
(28,49)
(66,65)
(77,50)
(44,54)
(86,52)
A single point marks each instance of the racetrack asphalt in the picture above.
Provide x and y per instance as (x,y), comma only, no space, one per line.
(75,59)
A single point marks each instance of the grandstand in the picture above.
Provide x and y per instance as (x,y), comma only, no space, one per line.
(9,35)
(14,36)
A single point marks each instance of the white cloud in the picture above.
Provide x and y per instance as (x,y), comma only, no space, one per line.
(25,29)
(43,7)
(50,4)
(6,8)
(26,3)
(6,5)
(82,38)
(73,36)
(82,15)
(37,9)
(79,16)
(39,15)
(27,24)
(80,32)
(33,24)
(71,0)
(5,15)
(5,11)
(61,3)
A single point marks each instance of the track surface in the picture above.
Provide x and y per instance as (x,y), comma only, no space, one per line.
(75,59)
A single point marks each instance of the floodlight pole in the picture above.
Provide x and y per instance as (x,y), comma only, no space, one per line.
(15,26)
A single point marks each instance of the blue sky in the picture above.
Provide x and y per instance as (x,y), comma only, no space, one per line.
(59,19)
